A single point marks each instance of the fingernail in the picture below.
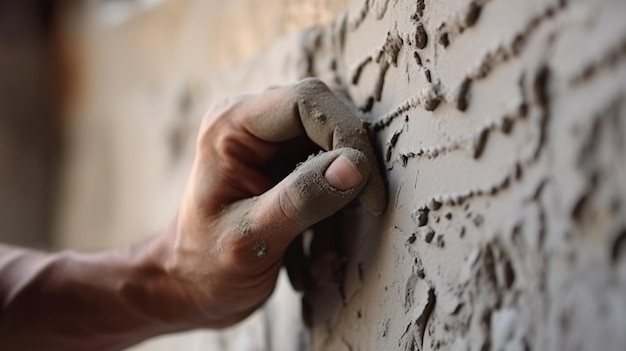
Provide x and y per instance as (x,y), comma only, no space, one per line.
(343,174)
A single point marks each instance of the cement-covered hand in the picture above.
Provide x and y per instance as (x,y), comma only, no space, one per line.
(234,223)
(219,259)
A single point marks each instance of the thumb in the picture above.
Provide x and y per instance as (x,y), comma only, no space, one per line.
(317,189)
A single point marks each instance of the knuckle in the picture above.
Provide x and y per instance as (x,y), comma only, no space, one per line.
(225,152)
(221,111)
(218,125)
(221,140)
(226,142)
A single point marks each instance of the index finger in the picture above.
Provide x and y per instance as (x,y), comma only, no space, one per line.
(310,108)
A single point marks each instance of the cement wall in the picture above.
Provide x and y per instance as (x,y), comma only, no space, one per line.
(500,126)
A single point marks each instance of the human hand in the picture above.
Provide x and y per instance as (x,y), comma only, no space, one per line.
(234,223)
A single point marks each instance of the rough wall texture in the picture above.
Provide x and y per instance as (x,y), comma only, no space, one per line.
(500,124)
(502,128)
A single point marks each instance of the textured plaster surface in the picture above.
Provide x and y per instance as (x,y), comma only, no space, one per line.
(502,129)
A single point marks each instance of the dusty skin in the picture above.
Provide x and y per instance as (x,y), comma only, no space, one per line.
(326,121)
(218,260)
(312,197)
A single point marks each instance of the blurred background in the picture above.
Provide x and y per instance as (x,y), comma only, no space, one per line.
(99,105)
(100,101)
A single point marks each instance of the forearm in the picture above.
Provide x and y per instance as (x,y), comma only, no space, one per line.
(100,301)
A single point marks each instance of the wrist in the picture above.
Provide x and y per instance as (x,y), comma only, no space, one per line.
(195,281)
(117,298)
(159,289)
